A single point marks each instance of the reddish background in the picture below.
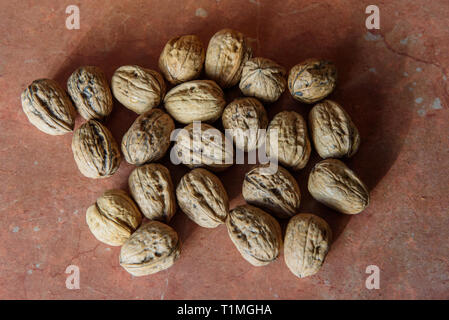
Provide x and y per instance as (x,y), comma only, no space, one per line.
(393,82)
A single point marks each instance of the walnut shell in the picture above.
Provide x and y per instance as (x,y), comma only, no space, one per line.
(148,138)
(278,193)
(293,144)
(137,88)
(201,145)
(333,132)
(198,100)
(113,217)
(307,241)
(312,80)
(227,52)
(90,92)
(152,188)
(203,198)
(264,79)
(245,116)
(95,151)
(182,59)
(333,184)
(154,247)
(48,107)
(255,234)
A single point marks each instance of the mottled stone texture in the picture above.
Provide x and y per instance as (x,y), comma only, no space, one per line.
(393,83)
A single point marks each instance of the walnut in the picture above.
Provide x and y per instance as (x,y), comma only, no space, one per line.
(202,197)
(48,107)
(293,145)
(113,217)
(154,247)
(148,138)
(201,145)
(182,59)
(245,116)
(137,88)
(90,92)
(307,241)
(198,100)
(278,193)
(333,132)
(152,188)
(95,151)
(264,79)
(312,80)
(226,54)
(332,183)
(255,234)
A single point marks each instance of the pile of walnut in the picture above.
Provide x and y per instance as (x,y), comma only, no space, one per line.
(116,217)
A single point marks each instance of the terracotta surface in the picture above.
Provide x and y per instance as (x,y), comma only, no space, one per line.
(393,82)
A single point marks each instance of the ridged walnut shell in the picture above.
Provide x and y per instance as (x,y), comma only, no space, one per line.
(333,184)
(227,52)
(148,138)
(96,153)
(89,90)
(202,197)
(154,247)
(263,79)
(198,100)
(48,107)
(113,217)
(307,240)
(137,88)
(182,59)
(333,132)
(246,116)
(278,193)
(293,145)
(255,234)
(201,145)
(312,80)
(152,188)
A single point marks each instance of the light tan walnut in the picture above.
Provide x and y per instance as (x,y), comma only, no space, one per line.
(203,198)
(307,240)
(182,59)
(137,88)
(333,184)
(113,217)
(227,52)
(264,79)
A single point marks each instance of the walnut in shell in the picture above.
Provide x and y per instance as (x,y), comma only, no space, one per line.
(264,79)
(245,117)
(48,107)
(278,192)
(113,217)
(255,234)
(96,153)
(182,59)
(148,138)
(202,197)
(137,88)
(154,247)
(312,80)
(333,184)
(292,145)
(227,52)
(90,92)
(152,188)
(333,132)
(307,241)
(198,100)
(201,145)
